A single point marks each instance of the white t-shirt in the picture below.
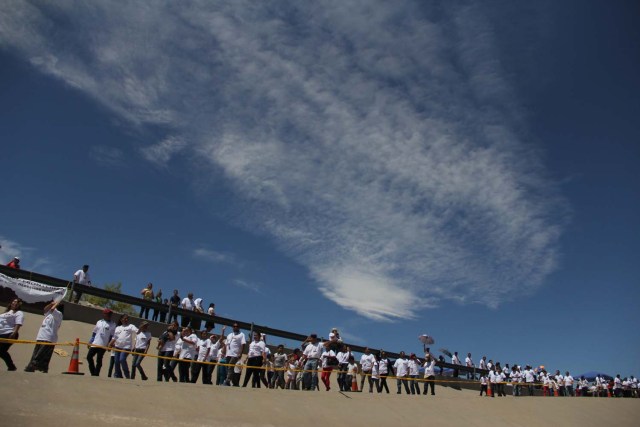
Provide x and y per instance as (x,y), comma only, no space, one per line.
(468,362)
(414,367)
(343,357)
(401,367)
(124,336)
(204,345)
(214,349)
(483,364)
(104,332)
(383,366)
(235,343)
(430,368)
(528,376)
(143,339)
(455,360)
(188,350)
(81,277)
(375,371)
(366,361)
(568,380)
(210,311)
(314,351)
(50,325)
(256,349)
(325,357)
(188,304)
(169,345)
(9,320)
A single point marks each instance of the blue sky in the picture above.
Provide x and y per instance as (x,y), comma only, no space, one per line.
(468,171)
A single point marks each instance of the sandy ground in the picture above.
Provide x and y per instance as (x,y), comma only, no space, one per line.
(31,399)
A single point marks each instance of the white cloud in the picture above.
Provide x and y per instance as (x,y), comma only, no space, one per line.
(29,259)
(106,155)
(382,148)
(255,287)
(162,152)
(215,257)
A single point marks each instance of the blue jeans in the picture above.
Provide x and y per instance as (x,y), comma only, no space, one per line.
(121,364)
(310,375)
(137,360)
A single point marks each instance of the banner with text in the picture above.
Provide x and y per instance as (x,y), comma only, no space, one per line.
(30,291)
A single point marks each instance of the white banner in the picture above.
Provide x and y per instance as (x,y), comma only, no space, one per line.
(30,291)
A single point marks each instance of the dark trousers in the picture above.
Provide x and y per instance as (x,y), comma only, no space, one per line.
(183,370)
(94,367)
(342,377)
(207,373)
(383,384)
(253,373)
(231,378)
(367,375)
(144,311)
(196,367)
(161,364)
(41,357)
(403,381)
(4,353)
(172,316)
(185,321)
(483,389)
(430,383)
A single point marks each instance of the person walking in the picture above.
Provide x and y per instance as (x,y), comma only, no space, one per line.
(236,341)
(100,338)
(401,367)
(122,341)
(10,323)
(47,335)
(143,341)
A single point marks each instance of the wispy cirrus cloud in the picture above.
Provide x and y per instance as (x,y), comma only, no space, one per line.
(29,259)
(106,155)
(252,286)
(216,257)
(379,143)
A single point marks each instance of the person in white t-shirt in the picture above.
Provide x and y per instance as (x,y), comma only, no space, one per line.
(401,367)
(10,322)
(313,349)
(256,357)
(166,346)
(329,360)
(429,374)
(414,370)
(48,333)
(100,337)
(81,277)
(383,368)
(187,304)
(187,353)
(516,377)
(143,341)
(123,340)
(366,364)
(203,347)
(236,342)
(455,360)
(469,364)
(280,366)
(568,385)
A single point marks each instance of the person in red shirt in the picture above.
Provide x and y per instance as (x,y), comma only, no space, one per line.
(15,263)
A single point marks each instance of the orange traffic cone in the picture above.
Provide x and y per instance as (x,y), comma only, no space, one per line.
(489,390)
(354,384)
(74,364)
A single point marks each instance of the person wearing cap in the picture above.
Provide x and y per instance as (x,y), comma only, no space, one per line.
(143,341)
(14,263)
(100,337)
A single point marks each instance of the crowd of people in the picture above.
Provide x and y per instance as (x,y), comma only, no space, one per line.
(199,354)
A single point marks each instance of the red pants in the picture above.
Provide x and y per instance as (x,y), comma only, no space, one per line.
(326,373)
